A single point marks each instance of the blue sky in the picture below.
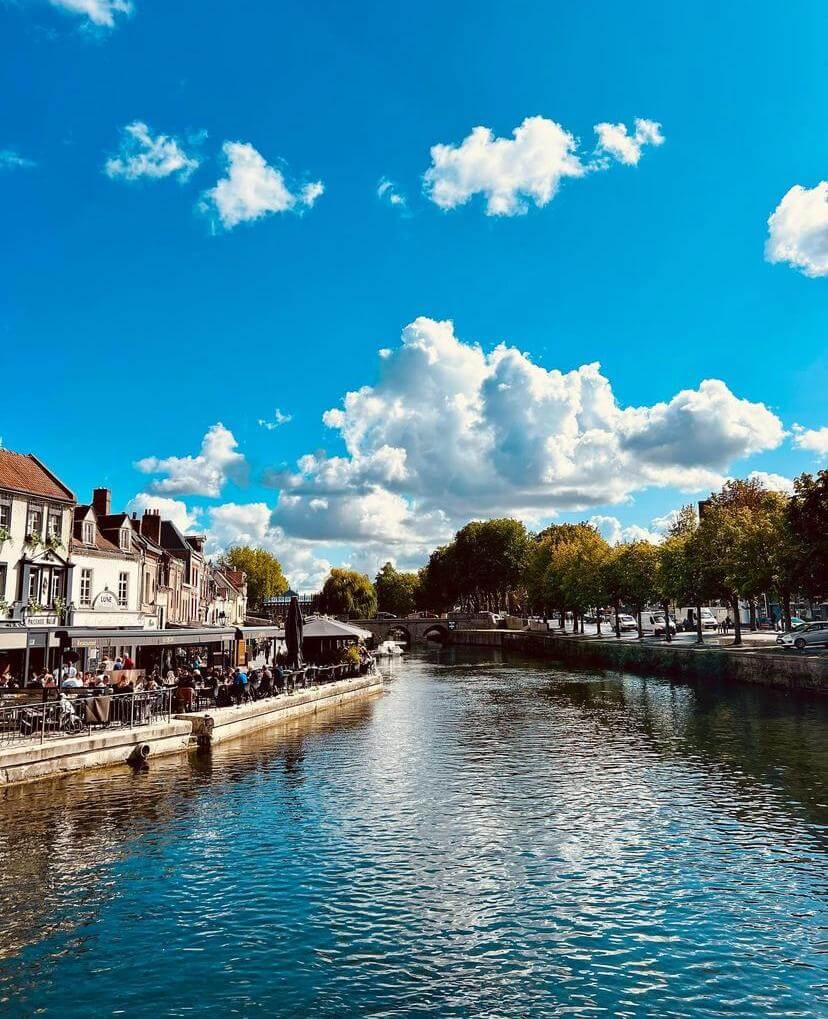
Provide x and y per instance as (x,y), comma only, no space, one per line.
(139,310)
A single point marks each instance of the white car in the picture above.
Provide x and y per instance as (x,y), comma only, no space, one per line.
(807,635)
(626,623)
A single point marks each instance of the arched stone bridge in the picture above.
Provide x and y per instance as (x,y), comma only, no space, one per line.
(412,629)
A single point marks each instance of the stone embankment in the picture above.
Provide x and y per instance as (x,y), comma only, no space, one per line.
(32,760)
(765,666)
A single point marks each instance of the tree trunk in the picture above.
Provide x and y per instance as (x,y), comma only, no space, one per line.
(640,625)
(582,624)
(617,607)
(786,610)
(665,608)
(699,632)
(737,622)
(563,620)
(598,621)
(752,610)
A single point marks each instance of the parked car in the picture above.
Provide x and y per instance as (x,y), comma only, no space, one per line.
(656,620)
(688,619)
(626,623)
(806,635)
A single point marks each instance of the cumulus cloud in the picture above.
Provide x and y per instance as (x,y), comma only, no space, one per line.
(185,519)
(253,189)
(450,432)
(99,12)
(773,482)
(250,524)
(278,420)
(615,532)
(813,439)
(141,155)
(616,141)
(508,172)
(10,159)
(511,173)
(204,474)
(798,230)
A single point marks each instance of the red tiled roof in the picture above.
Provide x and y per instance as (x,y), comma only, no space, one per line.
(27,474)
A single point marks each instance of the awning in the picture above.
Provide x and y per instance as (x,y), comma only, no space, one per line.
(12,639)
(322,626)
(99,638)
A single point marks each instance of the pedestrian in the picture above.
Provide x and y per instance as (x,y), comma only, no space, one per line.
(240,686)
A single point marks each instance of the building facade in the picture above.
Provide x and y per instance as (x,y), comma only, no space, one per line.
(36,511)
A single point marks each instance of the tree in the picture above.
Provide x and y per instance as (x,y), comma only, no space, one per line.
(548,577)
(807,518)
(263,570)
(348,593)
(396,592)
(439,589)
(637,563)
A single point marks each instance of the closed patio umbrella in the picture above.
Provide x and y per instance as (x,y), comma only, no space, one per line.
(294,626)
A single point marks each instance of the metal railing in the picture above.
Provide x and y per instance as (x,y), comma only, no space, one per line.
(78,715)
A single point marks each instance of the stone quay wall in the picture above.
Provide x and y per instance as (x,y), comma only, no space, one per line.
(32,760)
(765,667)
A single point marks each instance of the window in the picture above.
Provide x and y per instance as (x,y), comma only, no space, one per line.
(56,585)
(34,520)
(4,570)
(126,539)
(5,513)
(123,589)
(34,585)
(85,587)
(88,532)
(55,523)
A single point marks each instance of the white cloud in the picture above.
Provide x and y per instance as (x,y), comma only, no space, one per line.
(449,433)
(798,230)
(99,12)
(10,159)
(387,191)
(250,524)
(615,532)
(204,474)
(616,141)
(279,419)
(141,155)
(253,189)
(185,519)
(528,167)
(507,171)
(813,439)
(773,482)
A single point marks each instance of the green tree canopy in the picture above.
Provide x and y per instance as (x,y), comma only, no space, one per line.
(397,592)
(348,593)
(264,572)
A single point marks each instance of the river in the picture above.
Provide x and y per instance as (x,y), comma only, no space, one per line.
(486,839)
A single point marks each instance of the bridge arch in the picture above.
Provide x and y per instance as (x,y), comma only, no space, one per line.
(400,632)
(435,632)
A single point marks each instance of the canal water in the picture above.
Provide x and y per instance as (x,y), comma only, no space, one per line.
(486,839)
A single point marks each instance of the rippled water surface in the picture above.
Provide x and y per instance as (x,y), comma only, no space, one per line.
(485,839)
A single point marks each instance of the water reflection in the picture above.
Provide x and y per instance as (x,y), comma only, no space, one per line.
(490,837)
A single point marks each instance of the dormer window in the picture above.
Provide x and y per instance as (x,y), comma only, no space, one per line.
(126,539)
(88,532)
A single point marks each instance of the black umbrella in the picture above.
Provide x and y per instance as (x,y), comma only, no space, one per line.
(293,633)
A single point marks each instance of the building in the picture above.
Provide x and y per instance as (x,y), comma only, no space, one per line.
(229,604)
(36,511)
(107,578)
(189,551)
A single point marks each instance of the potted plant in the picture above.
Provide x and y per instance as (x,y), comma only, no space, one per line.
(32,540)
(53,542)
(34,607)
(5,534)
(59,606)
(4,608)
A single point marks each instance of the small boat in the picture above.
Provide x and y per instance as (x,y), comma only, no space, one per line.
(389,649)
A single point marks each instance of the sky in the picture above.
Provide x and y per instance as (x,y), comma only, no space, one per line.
(336,278)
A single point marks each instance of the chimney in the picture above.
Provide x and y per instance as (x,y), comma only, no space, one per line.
(102,501)
(151,525)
